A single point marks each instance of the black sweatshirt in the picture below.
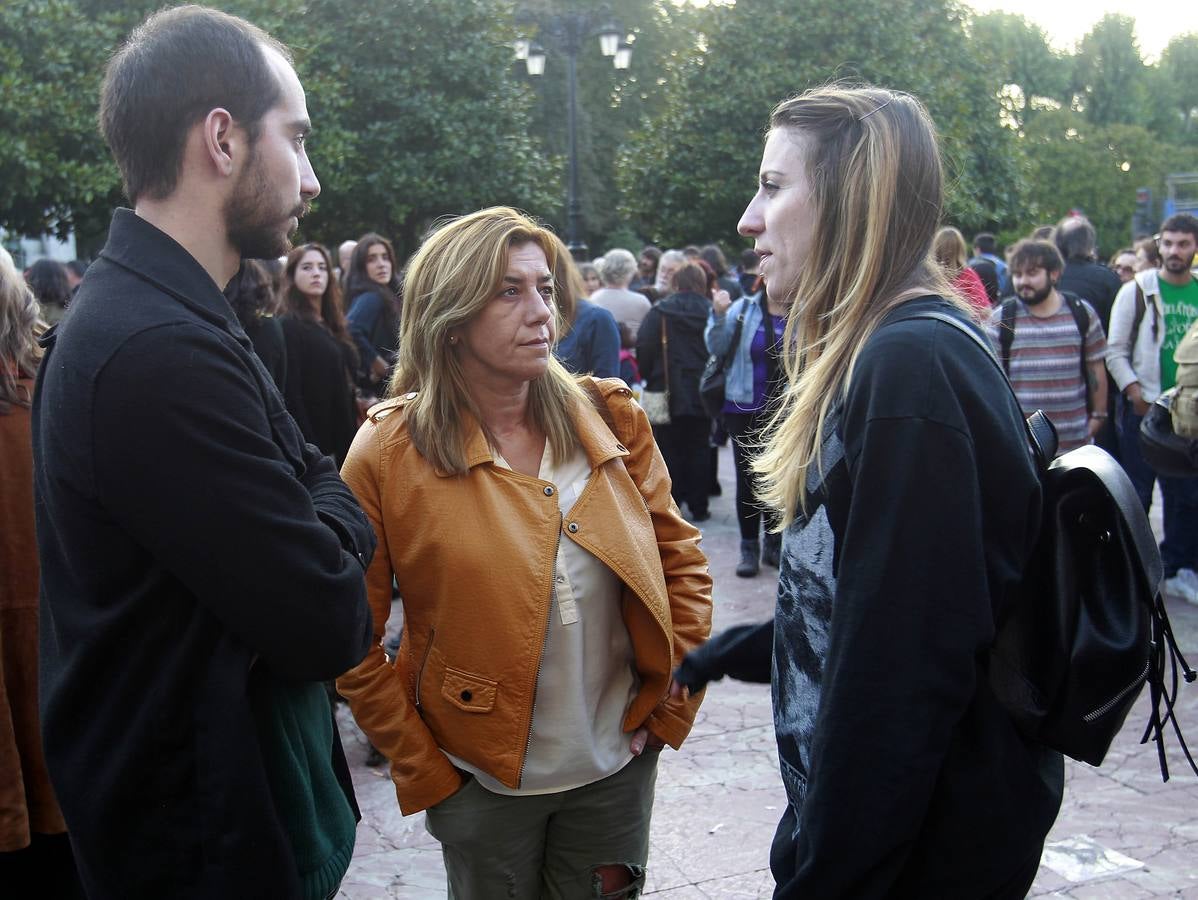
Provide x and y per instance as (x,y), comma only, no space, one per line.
(191,545)
(903,774)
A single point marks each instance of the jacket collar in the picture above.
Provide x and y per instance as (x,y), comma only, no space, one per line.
(154,256)
(595,438)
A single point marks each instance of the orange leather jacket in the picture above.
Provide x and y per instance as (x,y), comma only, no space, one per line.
(474,557)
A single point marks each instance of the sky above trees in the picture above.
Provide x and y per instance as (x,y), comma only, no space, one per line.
(1067,21)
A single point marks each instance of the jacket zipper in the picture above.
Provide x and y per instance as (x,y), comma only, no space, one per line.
(1114,701)
(432,633)
(541,658)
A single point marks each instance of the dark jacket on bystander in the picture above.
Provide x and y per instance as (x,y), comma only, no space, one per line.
(198,559)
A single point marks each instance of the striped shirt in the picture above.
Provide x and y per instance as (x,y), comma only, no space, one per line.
(1046,367)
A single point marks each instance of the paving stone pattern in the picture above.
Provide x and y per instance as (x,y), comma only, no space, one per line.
(1121,833)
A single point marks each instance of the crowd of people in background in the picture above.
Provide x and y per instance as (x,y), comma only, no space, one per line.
(327,332)
(242,455)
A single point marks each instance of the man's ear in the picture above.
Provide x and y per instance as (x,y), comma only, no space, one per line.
(221,140)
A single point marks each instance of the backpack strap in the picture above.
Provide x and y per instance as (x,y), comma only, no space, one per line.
(1082,319)
(1041,433)
(1006,334)
(1138,319)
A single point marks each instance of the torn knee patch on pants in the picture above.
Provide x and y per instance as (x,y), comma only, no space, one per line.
(617,881)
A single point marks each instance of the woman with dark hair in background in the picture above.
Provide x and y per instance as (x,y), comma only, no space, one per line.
(714,257)
(752,378)
(1148,256)
(48,280)
(373,291)
(255,301)
(321,359)
(34,849)
(1123,264)
(590,342)
(673,330)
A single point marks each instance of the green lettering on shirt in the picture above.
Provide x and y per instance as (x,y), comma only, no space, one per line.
(1181,309)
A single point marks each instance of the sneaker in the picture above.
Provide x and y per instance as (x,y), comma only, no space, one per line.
(1189,578)
(750,553)
(1182,586)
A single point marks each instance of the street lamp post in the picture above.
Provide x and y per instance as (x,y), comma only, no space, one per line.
(568,31)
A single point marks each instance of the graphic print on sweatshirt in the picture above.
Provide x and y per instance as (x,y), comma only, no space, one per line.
(806,587)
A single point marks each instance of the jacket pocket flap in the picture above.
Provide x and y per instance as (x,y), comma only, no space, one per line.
(473,693)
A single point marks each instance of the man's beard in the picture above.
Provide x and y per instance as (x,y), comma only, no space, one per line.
(1178,264)
(257,229)
(1037,296)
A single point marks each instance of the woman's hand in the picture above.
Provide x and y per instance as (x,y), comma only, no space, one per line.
(643,739)
(720,301)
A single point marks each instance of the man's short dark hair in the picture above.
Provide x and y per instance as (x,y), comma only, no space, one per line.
(1181,222)
(985,243)
(176,67)
(1076,238)
(1029,254)
(749,258)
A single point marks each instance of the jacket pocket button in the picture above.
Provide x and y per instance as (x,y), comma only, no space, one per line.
(573,527)
(467,696)
(548,492)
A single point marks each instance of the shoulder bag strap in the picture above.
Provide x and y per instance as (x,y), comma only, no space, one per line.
(1082,319)
(1041,434)
(1006,333)
(665,352)
(737,330)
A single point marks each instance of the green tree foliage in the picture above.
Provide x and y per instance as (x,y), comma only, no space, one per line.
(1177,81)
(1015,52)
(688,175)
(1109,75)
(420,110)
(416,112)
(415,108)
(1075,164)
(57,172)
(611,102)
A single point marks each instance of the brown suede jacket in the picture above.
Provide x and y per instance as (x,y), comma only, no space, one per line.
(474,558)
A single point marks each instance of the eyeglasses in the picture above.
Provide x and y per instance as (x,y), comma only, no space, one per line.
(1130,270)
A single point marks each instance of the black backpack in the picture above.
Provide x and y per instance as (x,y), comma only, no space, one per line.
(1089,629)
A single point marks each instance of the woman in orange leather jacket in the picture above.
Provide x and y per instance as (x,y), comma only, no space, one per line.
(550,585)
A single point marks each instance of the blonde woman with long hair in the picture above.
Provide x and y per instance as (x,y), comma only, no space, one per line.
(898,465)
(550,585)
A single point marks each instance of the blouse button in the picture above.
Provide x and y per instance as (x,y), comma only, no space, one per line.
(573,528)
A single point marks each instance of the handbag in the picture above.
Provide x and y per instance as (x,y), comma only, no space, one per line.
(715,373)
(656,404)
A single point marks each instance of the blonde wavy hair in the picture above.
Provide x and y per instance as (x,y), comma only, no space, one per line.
(457,271)
(874,165)
(20,327)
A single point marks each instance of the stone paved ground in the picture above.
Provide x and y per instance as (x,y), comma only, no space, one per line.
(1121,833)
